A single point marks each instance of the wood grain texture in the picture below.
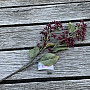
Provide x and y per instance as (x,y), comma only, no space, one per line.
(27,36)
(53,85)
(6,3)
(72,62)
(40,14)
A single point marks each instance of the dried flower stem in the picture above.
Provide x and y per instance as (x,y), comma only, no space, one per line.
(31,62)
(67,38)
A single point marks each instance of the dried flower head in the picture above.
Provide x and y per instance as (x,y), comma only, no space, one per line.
(68,37)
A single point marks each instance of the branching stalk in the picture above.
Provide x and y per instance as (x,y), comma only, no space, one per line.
(24,67)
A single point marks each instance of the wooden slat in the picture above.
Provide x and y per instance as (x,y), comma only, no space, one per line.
(7,3)
(54,85)
(18,37)
(27,36)
(72,62)
(39,14)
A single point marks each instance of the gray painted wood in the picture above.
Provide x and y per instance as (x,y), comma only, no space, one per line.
(54,85)
(6,3)
(39,14)
(72,62)
(27,36)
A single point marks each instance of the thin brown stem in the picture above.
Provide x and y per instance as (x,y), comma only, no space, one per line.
(24,67)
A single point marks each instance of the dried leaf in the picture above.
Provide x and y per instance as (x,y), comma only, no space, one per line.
(33,52)
(60,48)
(49,59)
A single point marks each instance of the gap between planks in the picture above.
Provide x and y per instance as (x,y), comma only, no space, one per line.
(43,23)
(53,85)
(45,79)
(27,48)
(5,3)
(43,4)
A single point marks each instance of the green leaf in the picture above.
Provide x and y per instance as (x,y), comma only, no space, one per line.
(33,52)
(71,28)
(49,59)
(60,48)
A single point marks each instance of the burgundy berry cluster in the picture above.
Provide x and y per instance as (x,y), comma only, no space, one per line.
(47,33)
(70,37)
(81,32)
(67,37)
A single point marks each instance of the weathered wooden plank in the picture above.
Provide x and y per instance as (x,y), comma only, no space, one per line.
(72,62)
(39,14)
(53,85)
(18,37)
(26,36)
(6,3)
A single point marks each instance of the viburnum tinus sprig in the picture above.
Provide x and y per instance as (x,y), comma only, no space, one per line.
(54,43)
(64,40)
